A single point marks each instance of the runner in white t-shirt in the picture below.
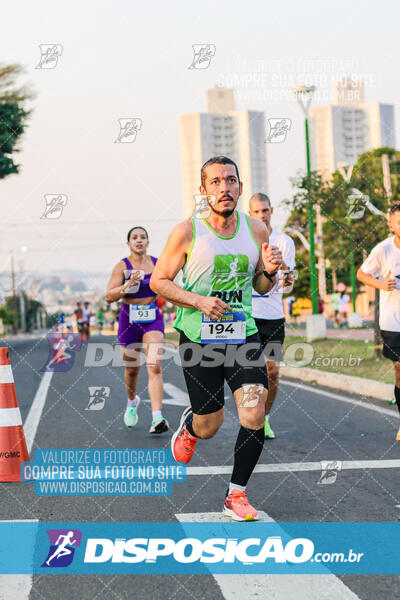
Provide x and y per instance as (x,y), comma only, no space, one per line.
(268,309)
(381,270)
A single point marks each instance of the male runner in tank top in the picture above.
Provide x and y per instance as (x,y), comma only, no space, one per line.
(222,258)
(268,309)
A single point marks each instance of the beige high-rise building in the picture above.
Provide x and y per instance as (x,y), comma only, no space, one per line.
(341,131)
(238,134)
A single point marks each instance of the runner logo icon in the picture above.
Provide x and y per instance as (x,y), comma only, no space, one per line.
(252,394)
(330,470)
(203,54)
(98,396)
(60,359)
(55,204)
(278,129)
(63,543)
(230,271)
(49,55)
(128,129)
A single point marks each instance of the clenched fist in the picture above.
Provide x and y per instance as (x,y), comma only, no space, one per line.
(272,257)
(212,307)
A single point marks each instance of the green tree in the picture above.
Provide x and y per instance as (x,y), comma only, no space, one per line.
(340,233)
(13,122)
(13,117)
(298,220)
(6,315)
(13,307)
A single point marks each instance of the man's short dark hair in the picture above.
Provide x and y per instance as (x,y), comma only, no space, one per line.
(217,160)
(261,197)
(394,208)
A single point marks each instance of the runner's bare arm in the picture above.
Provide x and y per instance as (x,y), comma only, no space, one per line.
(388,284)
(116,287)
(270,258)
(171,261)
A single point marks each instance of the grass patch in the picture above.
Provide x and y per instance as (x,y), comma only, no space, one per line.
(350,357)
(172,336)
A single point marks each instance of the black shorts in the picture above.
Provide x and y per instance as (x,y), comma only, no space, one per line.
(391,344)
(272,336)
(207,366)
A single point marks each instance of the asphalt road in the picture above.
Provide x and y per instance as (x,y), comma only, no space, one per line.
(311,427)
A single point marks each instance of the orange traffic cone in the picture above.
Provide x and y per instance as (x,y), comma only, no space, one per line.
(13,448)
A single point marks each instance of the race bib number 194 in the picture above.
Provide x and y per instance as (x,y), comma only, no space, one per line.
(230,329)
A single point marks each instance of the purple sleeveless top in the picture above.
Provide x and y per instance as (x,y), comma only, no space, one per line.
(143,287)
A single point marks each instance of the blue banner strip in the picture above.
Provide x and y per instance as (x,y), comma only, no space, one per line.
(192,548)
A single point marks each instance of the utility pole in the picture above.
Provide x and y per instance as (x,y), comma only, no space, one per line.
(22,310)
(14,295)
(346,172)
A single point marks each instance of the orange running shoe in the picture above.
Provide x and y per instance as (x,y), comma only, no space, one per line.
(398,436)
(182,443)
(238,507)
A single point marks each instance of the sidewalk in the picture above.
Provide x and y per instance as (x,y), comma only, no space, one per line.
(34,335)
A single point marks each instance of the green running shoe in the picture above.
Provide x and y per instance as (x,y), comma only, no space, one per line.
(268,432)
(131,415)
(159,425)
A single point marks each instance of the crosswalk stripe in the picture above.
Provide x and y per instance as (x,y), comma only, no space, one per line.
(278,587)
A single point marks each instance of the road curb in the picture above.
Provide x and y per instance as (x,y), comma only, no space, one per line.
(339,381)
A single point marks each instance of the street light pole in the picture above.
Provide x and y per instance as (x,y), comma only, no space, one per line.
(303,95)
(346,172)
(352,269)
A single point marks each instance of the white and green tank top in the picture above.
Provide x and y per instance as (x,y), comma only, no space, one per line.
(222,267)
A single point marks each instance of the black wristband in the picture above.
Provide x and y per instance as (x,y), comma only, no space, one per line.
(270,276)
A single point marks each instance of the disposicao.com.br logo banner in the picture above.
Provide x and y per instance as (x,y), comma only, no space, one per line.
(193,548)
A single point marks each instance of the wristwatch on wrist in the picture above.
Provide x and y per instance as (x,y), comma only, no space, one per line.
(270,276)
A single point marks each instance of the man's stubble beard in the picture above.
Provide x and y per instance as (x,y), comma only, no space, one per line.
(226,212)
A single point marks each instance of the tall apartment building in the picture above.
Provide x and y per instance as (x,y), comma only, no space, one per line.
(238,134)
(341,131)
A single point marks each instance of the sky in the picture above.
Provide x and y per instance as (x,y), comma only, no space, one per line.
(129,59)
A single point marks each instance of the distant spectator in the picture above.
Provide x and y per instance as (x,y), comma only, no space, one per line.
(344,300)
(335,301)
(295,310)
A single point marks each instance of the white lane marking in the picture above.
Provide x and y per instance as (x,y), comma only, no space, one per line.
(309,388)
(10,417)
(36,409)
(292,467)
(16,586)
(276,587)
(178,396)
